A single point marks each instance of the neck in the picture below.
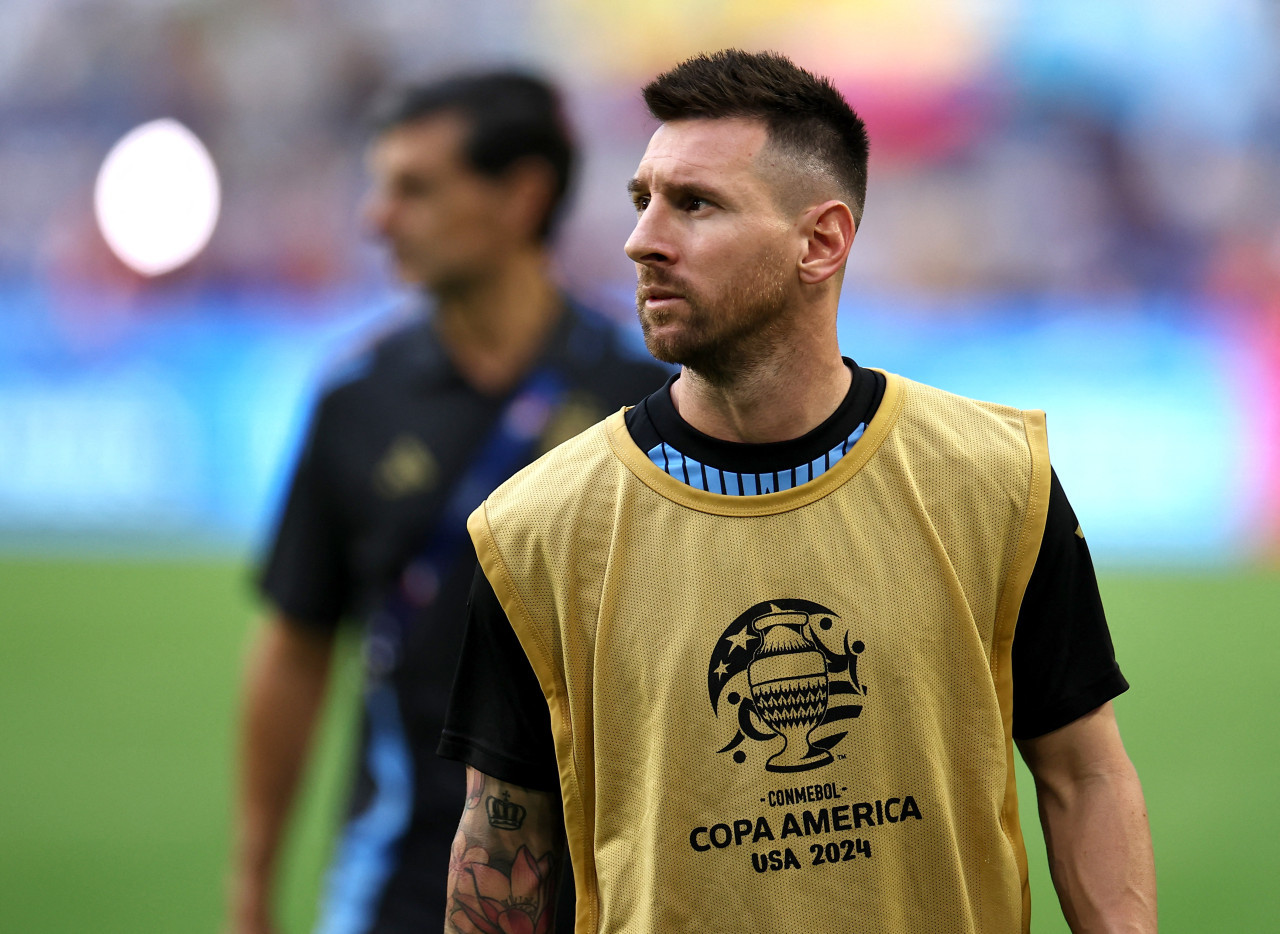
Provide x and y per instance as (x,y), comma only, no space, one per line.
(494,328)
(781,397)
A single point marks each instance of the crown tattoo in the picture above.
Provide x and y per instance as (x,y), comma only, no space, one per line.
(503,814)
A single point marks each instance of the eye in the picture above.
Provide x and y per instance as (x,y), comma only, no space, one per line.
(641,202)
(694,204)
(413,186)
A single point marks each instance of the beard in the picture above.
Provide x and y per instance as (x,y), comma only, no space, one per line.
(719,337)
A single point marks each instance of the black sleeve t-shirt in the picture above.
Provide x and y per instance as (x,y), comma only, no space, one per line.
(1063,662)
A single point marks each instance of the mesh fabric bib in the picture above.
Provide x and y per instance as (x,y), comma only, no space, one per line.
(788,712)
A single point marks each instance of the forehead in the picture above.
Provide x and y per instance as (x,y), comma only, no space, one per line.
(703,150)
(433,142)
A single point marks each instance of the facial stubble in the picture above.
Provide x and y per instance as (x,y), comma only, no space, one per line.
(721,338)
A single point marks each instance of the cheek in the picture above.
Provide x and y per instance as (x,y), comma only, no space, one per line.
(717,260)
(732,270)
(417,224)
(772,256)
(741,247)
(480,223)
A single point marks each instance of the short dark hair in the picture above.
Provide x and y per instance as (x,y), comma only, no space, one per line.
(510,116)
(804,114)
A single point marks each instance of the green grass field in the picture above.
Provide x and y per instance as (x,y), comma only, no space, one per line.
(118,689)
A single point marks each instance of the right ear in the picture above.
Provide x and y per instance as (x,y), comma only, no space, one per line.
(829,229)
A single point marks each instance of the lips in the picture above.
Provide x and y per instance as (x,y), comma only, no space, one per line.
(654,294)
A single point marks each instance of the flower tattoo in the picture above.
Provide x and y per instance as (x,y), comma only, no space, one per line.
(490,901)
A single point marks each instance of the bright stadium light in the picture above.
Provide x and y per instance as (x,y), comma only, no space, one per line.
(157,197)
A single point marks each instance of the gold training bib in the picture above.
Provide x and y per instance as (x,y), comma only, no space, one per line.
(788,712)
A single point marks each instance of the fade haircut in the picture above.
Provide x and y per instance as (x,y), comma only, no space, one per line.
(807,119)
(509,116)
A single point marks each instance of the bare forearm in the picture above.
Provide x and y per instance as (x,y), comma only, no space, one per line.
(506,859)
(285,682)
(1095,827)
(1100,854)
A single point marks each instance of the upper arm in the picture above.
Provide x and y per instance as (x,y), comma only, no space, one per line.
(306,572)
(288,654)
(498,721)
(1089,747)
(1064,665)
(298,641)
(506,813)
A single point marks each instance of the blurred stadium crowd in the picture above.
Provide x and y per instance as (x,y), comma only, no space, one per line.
(1111,162)
(1068,146)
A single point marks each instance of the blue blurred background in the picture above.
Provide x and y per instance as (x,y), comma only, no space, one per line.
(1073,206)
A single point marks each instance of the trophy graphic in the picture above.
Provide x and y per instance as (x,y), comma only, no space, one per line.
(788,678)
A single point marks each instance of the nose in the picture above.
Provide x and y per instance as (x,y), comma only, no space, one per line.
(650,243)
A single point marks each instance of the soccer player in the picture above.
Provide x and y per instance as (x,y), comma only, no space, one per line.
(760,647)
(496,366)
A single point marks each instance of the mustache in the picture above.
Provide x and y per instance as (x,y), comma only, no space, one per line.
(652,281)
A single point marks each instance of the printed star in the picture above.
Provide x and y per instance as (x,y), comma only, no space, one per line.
(722,669)
(739,639)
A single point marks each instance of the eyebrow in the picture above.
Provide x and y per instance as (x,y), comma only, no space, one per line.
(680,189)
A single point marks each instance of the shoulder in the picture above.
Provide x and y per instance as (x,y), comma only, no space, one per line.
(561,472)
(387,354)
(951,425)
(543,522)
(966,456)
(573,479)
(924,402)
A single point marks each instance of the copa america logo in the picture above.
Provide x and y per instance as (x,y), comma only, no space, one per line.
(787,669)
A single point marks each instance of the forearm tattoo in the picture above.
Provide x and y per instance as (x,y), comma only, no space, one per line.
(475,788)
(504,866)
(504,814)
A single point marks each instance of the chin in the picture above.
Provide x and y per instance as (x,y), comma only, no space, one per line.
(679,352)
(662,344)
(660,350)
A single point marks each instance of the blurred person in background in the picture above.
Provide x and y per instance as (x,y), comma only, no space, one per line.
(469,177)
